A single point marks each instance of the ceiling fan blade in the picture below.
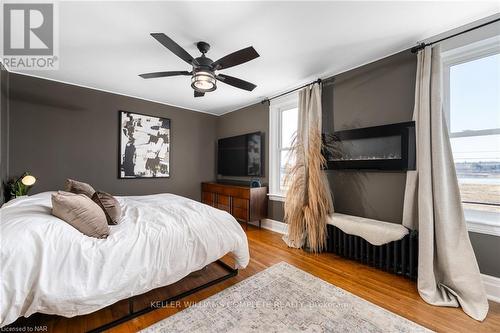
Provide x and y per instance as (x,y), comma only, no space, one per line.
(163,74)
(236,58)
(172,46)
(235,82)
(198,94)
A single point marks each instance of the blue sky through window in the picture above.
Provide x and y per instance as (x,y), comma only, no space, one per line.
(475,105)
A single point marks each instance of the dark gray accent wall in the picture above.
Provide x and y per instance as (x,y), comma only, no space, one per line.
(487,249)
(59,131)
(276,210)
(4,128)
(379,93)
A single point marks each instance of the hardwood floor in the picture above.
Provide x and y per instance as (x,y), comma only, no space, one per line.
(389,291)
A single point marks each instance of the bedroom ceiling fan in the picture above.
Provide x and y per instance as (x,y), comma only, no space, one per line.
(203,74)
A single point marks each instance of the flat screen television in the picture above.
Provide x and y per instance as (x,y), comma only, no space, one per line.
(241,155)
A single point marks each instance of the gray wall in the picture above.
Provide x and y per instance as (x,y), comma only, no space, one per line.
(487,249)
(379,93)
(59,131)
(4,112)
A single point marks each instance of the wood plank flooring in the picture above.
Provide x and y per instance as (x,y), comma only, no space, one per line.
(389,291)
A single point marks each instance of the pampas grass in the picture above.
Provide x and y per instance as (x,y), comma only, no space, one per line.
(308,201)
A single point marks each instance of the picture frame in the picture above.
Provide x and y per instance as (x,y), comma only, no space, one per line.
(144,146)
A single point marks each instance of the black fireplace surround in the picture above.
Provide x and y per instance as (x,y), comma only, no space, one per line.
(385,147)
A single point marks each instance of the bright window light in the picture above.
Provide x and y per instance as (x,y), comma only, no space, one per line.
(474,123)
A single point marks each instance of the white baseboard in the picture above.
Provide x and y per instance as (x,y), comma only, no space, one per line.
(276,226)
(491,283)
(492,286)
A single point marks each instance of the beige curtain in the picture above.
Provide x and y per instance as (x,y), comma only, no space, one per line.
(308,200)
(448,274)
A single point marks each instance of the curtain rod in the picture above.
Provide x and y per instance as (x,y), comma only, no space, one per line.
(318,81)
(421,46)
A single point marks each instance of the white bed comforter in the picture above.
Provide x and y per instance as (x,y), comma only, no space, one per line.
(50,267)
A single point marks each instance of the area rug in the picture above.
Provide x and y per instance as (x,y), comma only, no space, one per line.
(284,298)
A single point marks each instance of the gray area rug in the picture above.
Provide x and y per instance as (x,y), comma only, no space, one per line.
(284,298)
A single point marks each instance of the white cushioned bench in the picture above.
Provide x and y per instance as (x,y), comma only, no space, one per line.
(373,231)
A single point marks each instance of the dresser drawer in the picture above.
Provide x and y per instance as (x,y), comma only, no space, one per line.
(223,200)
(207,198)
(246,204)
(240,203)
(224,207)
(235,192)
(240,213)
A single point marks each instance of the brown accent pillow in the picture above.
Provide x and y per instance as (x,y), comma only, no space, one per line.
(81,212)
(109,205)
(77,187)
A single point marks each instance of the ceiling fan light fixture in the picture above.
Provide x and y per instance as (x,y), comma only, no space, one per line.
(203,81)
(203,78)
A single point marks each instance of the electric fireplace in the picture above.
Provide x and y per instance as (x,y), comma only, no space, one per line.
(386,147)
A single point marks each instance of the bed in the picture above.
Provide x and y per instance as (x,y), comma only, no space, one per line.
(50,267)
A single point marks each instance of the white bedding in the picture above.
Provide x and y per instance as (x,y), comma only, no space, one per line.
(50,267)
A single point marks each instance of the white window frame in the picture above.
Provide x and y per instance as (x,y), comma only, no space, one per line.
(460,55)
(477,221)
(276,109)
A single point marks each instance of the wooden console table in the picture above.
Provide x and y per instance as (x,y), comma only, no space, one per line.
(246,204)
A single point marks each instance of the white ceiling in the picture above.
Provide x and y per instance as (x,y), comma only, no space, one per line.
(105,45)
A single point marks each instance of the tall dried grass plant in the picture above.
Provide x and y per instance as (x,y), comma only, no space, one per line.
(308,200)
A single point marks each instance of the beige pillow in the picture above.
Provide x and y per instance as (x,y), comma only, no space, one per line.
(77,187)
(81,212)
(109,205)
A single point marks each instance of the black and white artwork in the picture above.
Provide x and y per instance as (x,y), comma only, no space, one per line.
(144,146)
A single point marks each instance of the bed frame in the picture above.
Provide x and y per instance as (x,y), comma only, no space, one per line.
(133,314)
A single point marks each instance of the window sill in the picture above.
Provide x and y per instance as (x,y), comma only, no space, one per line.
(482,222)
(276,197)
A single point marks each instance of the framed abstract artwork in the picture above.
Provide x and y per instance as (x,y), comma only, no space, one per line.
(144,146)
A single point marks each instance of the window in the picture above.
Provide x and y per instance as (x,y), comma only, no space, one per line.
(283,120)
(472,108)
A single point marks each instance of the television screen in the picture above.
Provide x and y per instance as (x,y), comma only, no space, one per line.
(240,155)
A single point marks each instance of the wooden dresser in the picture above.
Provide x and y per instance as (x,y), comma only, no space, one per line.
(246,204)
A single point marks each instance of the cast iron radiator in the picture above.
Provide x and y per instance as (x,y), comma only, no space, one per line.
(398,257)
